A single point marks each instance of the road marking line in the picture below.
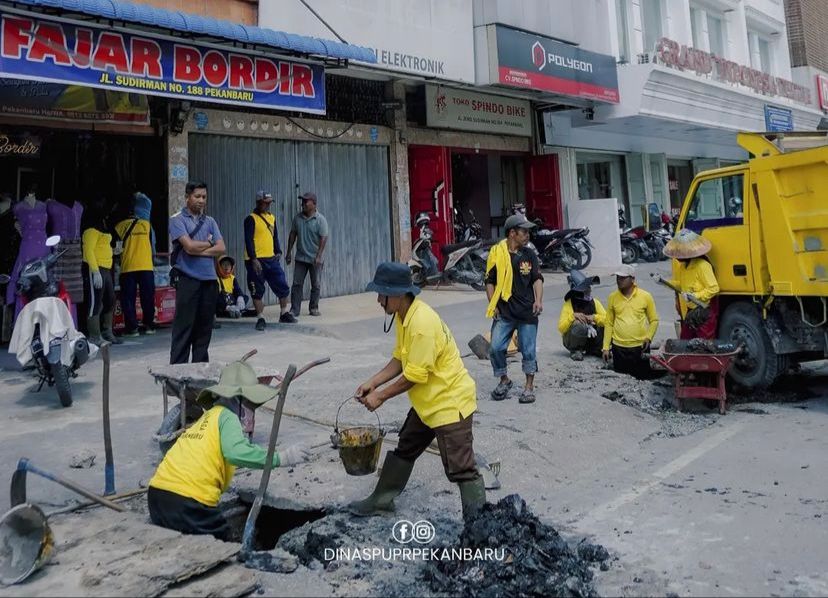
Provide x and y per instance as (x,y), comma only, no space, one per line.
(660,475)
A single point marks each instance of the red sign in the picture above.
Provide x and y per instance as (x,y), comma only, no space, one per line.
(164,308)
(680,57)
(822,88)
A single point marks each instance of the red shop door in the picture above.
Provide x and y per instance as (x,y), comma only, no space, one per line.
(543,190)
(429,172)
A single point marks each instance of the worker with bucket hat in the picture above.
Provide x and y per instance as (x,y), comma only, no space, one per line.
(581,322)
(426,363)
(697,282)
(184,492)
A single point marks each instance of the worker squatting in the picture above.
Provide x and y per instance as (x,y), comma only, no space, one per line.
(414,554)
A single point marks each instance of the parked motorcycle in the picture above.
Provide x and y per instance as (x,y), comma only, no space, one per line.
(564,249)
(465,261)
(44,334)
(634,247)
(466,232)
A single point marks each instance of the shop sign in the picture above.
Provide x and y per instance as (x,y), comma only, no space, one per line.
(471,111)
(778,119)
(532,61)
(57,51)
(822,87)
(674,55)
(35,99)
(19,146)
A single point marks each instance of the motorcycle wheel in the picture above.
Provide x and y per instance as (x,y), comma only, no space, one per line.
(571,258)
(479,267)
(60,374)
(586,254)
(417,276)
(629,254)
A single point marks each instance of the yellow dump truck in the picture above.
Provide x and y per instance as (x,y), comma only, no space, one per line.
(768,222)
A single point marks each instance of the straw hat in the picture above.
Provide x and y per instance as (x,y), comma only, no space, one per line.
(686,245)
(237,380)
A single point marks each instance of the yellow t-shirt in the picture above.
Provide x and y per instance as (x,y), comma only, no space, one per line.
(443,390)
(137,254)
(226,284)
(567,316)
(195,467)
(630,321)
(97,249)
(697,278)
(263,235)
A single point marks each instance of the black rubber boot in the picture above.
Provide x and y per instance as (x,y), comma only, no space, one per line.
(93,329)
(106,329)
(472,496)
(392,481)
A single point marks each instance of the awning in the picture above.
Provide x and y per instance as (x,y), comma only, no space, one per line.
(204,27)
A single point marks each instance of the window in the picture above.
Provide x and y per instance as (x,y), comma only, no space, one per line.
(695,15)
(622,23)
(717,202)
(651,22)
(764,56)
(760,53)
(715,34)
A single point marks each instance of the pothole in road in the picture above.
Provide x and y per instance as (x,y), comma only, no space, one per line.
(271,523)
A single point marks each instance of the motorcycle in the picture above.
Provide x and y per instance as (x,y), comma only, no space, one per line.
(466,232)
(565,249)
(465,261)
(634,247)
(46,309)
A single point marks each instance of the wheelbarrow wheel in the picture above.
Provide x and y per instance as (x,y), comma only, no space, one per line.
(169,426)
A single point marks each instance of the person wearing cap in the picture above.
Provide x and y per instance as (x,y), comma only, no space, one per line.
(309,232)
(231,300)
(426,363)
(696,280)
(184,493)
(514,287)
(581,322)
(261,260)
(630,326)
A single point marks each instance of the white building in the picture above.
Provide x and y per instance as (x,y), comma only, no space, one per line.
(691,74)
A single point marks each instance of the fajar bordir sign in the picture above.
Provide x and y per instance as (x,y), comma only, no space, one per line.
(56,50)
(674,55)
(472,111)
(822,89)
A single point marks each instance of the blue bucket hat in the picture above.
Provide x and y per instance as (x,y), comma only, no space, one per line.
(392,279)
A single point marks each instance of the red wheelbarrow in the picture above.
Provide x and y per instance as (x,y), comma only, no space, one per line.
(699,369)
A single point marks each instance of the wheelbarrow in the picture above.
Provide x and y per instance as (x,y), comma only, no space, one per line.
(185,381)
(699,369)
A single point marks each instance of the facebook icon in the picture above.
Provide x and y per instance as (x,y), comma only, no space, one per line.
(402,531)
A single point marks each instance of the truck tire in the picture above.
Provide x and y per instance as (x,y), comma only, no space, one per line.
(60,373)
(758,365)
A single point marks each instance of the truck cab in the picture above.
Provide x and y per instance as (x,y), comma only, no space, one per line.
(767,220)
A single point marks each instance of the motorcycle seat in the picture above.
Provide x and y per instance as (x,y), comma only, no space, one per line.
(447,249)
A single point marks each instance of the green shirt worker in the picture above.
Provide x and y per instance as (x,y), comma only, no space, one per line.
(184,493)
(426,363)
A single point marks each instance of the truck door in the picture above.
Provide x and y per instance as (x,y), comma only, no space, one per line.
(716,211)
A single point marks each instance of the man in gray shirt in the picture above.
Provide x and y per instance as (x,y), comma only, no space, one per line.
(310,233)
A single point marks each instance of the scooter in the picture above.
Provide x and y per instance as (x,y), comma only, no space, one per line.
(465,261)
(466,232)
(633,246)
(42,295)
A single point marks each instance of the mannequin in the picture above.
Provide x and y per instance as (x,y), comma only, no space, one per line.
(65,220)
(9,246)
(30,215)
(98,285)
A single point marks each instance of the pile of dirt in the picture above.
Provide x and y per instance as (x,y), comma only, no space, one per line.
(537,560)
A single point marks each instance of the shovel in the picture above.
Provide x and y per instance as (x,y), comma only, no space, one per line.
(18,486)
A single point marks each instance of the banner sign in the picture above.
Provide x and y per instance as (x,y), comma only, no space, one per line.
(473,111)
(778,119)
(536,62)
(72,102)
(19,146)
(822,91)
(53,50)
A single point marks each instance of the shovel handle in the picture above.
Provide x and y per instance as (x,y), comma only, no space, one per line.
(25,465)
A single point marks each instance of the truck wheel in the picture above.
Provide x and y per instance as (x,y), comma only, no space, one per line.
(60,373)
(758,365)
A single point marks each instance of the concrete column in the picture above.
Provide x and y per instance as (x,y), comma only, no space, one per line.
(678,22)
(398,166)
(636,30)
(737,35)
(177,170)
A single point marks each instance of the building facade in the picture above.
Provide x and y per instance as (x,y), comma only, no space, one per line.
(807,22)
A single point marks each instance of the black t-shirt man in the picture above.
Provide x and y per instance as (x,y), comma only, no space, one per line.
(525,271)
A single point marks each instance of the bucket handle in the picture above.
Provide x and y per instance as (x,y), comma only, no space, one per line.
(336,424)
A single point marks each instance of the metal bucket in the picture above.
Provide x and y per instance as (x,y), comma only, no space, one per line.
(26,543)
(359,446)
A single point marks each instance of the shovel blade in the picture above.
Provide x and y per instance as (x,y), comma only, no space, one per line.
(490,481)
(18,487)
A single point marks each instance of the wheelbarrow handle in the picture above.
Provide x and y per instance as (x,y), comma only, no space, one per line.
(305,368)
(248,355)
(661,361)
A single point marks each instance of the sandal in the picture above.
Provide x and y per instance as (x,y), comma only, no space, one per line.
(527,396)
(501,391)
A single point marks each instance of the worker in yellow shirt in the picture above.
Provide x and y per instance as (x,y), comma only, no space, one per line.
(581,322)
(98,286)
(135,242)
(696,279)
(184,492)
(631,323)
(426,363)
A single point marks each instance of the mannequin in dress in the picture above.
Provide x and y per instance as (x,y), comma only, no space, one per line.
(30,221)
(65,220)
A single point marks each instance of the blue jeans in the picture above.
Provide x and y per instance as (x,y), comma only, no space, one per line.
(502,331)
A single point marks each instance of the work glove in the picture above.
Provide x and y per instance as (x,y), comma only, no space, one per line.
(97,280)
(293,455)
(233,312)
(241,304)
(591,332)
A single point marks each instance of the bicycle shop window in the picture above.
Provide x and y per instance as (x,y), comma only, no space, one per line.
(717,202)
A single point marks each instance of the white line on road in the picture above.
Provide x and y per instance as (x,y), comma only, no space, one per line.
(643,486)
